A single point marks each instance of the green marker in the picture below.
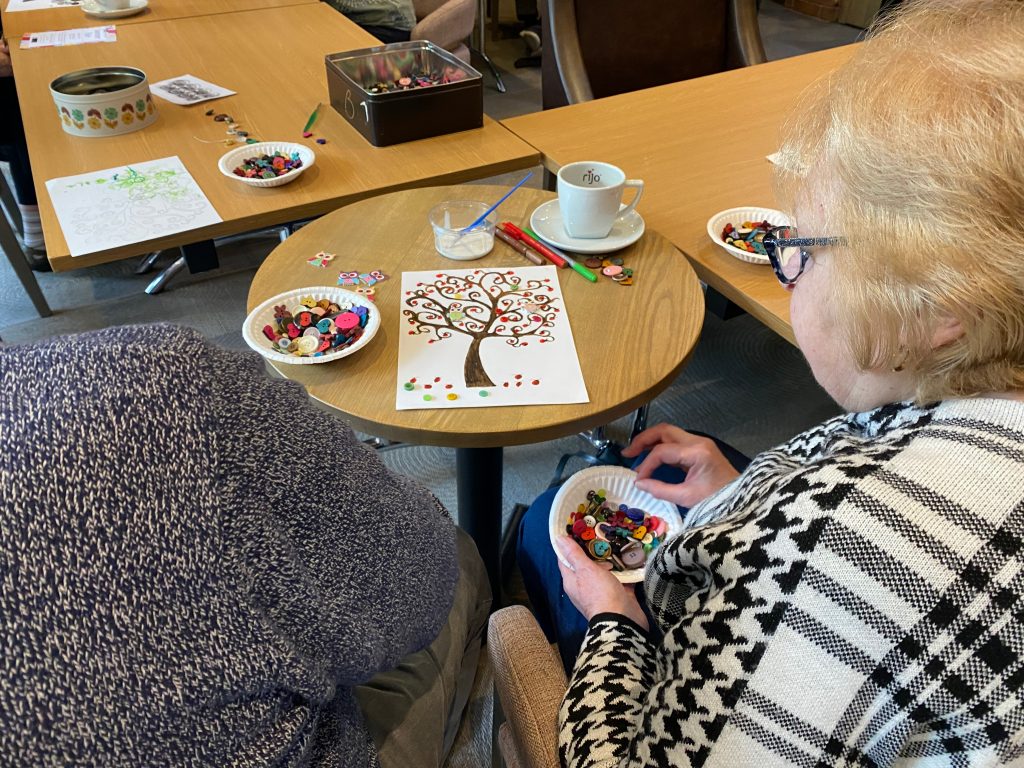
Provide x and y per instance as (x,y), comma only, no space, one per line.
(312,118)
(574,264)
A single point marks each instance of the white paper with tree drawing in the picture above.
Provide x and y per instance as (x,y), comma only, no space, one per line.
(120,206)
(471,338)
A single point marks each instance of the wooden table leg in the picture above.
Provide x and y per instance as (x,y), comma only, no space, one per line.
(479,477)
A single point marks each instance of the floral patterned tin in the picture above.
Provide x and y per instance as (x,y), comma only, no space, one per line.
(103,101)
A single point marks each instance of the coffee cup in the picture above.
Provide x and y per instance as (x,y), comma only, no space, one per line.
(590,197)
(114,5)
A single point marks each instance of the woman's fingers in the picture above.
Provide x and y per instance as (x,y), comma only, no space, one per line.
(659,433)
(591,588)
(707,471)
(672,454)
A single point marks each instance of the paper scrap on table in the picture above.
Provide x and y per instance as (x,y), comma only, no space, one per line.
(126,205)
(470,338)
(187,89)
(773,158)
(69,37)
(38,5)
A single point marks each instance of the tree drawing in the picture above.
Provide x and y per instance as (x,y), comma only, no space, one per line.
(482,305)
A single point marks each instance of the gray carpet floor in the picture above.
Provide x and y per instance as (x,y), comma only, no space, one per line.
(744,384)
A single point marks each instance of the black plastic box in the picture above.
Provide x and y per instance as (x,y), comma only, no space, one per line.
(455,102)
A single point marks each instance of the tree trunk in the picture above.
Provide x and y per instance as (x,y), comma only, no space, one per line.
(473,370)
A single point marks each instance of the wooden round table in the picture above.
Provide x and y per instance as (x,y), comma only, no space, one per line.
(631,341)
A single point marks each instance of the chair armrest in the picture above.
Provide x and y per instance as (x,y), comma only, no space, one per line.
(447,26)
(746,48)
(565,43)
(530,682)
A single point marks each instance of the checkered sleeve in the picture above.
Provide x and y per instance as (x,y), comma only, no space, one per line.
(613,674)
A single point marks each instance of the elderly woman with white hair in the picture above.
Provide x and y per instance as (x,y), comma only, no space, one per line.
(854,597)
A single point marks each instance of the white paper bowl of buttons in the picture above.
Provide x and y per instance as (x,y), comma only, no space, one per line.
(313,325)
(605,511)
(267,163)
(737,217)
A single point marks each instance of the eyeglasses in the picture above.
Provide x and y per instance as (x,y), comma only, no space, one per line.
(788,253)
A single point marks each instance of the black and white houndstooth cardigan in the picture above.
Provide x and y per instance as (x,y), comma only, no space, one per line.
(853,599)
(196,565)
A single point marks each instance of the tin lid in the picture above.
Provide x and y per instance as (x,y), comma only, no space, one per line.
(86,82)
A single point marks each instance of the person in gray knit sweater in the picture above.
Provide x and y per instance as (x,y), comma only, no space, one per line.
(197,566)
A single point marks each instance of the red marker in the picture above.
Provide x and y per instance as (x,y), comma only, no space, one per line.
(539,247)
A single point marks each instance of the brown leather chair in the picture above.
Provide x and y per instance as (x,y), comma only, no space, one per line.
(597,48)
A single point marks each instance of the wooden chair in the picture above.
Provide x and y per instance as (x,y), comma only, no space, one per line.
(598,48)
(446,23)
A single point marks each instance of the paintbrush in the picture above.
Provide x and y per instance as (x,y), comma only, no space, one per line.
(491,210)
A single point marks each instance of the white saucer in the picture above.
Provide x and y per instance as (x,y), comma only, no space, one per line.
(546,221)
(94,9)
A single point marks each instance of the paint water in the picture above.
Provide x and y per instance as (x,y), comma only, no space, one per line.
(471,245)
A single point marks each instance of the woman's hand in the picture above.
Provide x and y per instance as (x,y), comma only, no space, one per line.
(592,589)
(707,470)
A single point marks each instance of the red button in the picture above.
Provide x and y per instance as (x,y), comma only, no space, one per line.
(346,321)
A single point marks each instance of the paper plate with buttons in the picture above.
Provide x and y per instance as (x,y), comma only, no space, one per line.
(307,326)
(738,231)
(266,163)
(614,522)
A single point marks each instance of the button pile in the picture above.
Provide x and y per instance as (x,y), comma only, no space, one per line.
(418,80)
(612,267)
(235,132)
(268,166)
(747,236)
(315,328)
(620,535)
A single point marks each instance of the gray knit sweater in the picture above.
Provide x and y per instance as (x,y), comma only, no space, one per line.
(196,565)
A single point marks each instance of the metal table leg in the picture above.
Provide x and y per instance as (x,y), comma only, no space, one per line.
(147,263)
(479,478)
(200,257)
(160,281)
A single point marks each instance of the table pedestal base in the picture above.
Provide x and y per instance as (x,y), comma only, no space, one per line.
(479,479)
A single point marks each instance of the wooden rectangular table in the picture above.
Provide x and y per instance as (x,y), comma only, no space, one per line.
(700,147)
(17,23)
(274,59)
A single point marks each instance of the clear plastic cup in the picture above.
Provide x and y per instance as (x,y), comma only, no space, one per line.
(449,219)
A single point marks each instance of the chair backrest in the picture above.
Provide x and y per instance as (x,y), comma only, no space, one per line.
(597,48)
